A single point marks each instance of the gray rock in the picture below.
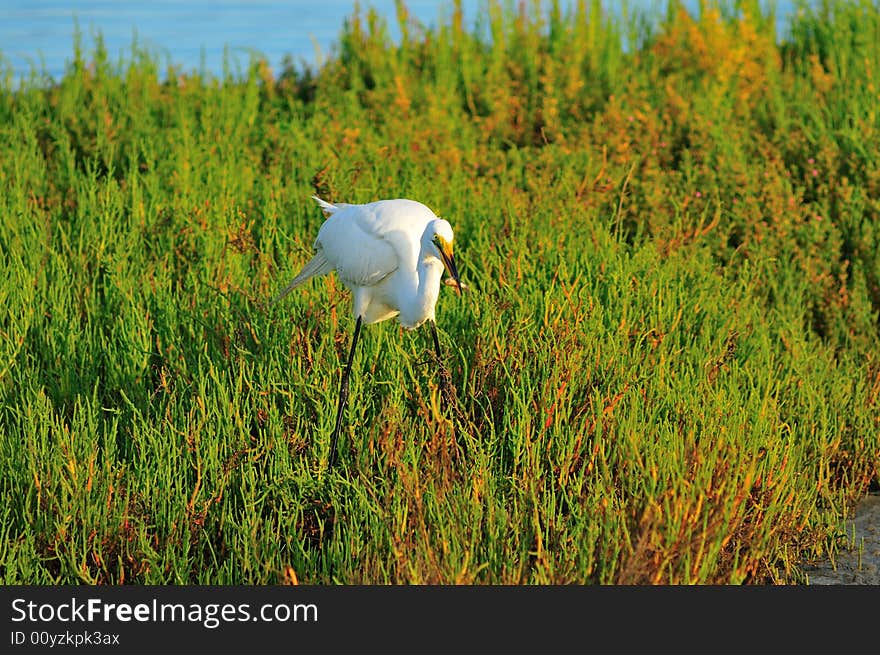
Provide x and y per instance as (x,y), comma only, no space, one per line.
(860,564)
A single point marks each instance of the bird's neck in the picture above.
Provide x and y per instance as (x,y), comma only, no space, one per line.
(424,294)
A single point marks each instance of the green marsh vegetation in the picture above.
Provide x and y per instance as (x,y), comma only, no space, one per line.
(667,365)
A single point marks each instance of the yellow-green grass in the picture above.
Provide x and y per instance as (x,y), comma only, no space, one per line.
(667,364)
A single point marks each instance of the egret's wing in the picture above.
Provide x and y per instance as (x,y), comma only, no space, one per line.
(327,207)
(331,208)
(317,265)
(353,243)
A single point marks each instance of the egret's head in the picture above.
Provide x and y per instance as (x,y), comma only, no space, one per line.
(442,238)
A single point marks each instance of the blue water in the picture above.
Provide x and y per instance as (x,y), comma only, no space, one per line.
(193,34)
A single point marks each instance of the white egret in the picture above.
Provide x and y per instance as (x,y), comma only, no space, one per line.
(391,255)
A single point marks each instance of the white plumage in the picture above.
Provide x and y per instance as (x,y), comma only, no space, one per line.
(391,255)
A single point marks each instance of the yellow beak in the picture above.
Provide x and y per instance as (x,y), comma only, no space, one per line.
(449,263)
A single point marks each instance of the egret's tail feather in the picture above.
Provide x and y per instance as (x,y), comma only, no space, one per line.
(326,206)
(318,265)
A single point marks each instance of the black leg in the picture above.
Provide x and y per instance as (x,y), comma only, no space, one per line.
(436,342)
(343,394)
(445,381)
(447,391)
